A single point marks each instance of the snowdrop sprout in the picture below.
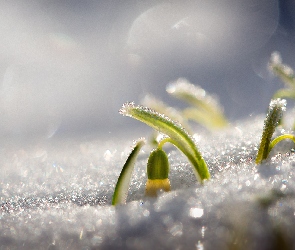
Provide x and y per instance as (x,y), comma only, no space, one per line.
(285,73)
(273,117)
(157,171)
(161,107)
(203,104)
(178,135)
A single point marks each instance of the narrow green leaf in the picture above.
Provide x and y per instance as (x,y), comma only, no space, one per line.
(205,104)
(204,118)
(179,137)
(282,70)
(280,138)
(122,186)
(161,107)
(273,117)
(284,93)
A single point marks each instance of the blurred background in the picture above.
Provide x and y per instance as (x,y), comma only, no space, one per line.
(66,67)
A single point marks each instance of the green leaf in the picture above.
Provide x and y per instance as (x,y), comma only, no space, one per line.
(161,107)
(179,137)
(205,105)
(122,186)
(285,93)
(273,117)
(282,70)
(204,119)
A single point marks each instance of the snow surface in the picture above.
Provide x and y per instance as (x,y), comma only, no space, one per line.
(57,195)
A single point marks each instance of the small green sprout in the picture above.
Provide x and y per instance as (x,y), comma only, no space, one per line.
(157,171)
(205,109)
(272,120)
(286,74)
(177,134)
(158,165)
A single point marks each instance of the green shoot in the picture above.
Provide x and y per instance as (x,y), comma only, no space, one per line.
(158,166)
(285,73)
(157,171)
(274,115)
(178,136)
(122,186)
(207,111)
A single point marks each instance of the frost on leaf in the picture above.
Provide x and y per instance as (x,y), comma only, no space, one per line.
(273,117)
(125,110)
(189,92)
(283,71)
(205,110)
(178,135)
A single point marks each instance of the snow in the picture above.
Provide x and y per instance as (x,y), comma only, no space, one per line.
(57,195)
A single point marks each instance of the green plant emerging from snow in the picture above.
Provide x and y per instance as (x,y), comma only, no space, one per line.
(272,120)
(206,111)
(158,166)
(204,108)
(286,74)
(276,107)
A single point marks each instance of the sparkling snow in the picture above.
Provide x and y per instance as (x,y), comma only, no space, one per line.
(57,195)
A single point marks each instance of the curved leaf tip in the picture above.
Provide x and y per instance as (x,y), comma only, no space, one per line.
(179,136)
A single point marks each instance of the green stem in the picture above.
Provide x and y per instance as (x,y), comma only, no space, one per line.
(162,142)
(275,111)
(280,138)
